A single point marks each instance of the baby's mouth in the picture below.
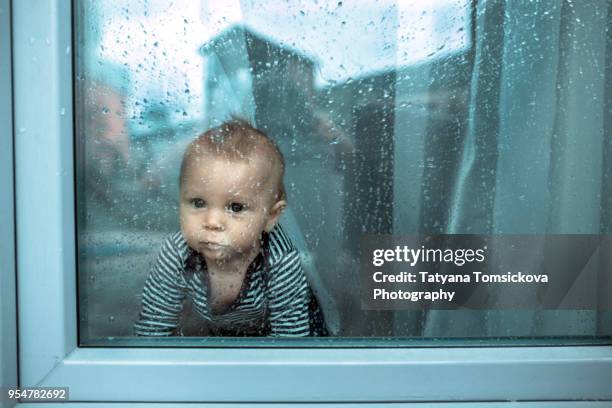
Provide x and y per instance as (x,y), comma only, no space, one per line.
(211,245)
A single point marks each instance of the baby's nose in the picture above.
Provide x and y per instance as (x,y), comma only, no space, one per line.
(213,219)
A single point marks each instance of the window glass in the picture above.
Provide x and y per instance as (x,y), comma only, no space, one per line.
(393,117)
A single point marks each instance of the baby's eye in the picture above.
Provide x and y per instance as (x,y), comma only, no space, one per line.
(197,203)
(236,207)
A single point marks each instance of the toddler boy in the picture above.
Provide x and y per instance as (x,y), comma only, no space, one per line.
(231,257)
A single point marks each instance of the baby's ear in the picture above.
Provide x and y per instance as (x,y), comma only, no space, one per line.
(275,213)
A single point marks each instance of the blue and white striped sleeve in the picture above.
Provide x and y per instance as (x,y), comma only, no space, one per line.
(288,298)
(163,294)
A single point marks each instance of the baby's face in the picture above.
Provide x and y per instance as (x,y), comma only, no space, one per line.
(225,206)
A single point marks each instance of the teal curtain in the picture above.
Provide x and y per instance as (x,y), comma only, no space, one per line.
(535,158)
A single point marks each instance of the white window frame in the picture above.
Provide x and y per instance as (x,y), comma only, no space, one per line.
(8,311)
(47,299)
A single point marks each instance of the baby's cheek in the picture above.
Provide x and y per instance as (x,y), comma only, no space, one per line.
(183,220)
(254,224)
(241,231)
(189,229)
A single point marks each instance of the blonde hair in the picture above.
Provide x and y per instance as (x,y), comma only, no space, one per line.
(237,140)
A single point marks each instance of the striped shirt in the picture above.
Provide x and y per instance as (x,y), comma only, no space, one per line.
(274,299)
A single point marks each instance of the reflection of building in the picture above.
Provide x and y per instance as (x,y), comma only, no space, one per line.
(351,161)
(367,105)
(251,76)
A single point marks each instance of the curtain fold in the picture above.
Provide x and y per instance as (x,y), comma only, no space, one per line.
(535,157)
